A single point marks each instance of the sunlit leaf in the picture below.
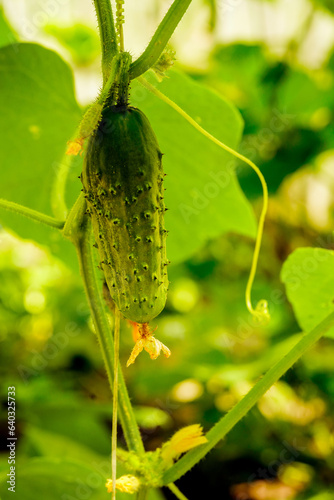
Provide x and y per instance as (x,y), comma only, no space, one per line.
(308,275)
(39,115)
(325,4)
(61,478)
(7,35)
(203,195)
(80,40)
(293,98)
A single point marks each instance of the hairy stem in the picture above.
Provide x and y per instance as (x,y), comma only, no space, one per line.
(32,214)
(107,35)
(129,424)
(119,23)
(78,230)
(115,404)
(174,489)
(142,493)
(160,39)
(115,87)
(228,421)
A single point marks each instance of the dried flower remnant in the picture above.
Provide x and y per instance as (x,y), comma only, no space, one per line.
(146,340)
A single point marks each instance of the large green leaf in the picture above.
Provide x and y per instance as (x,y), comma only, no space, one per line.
(81,41)
(55,478)
(241,82)
(325,4)
(39,115)
(7,35)
(203,194)
(293,98)
(308,275)
(61,478)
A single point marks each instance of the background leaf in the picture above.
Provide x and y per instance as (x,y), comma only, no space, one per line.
(81,41)
(203,194)
(308,275)
(282,84)
(7,35)
(325,4)
(55,478)
(39,115)
(293,96)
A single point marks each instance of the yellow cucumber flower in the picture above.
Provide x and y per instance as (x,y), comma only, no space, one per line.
(125,484)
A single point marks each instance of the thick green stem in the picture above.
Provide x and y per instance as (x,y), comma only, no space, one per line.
(229,420)
(103,331)
(115,403)
(142,494)
(123,80)
(107,35)
(78,230)
(174,489)
(116,86)
(32,214)
(160,39)
(119,23)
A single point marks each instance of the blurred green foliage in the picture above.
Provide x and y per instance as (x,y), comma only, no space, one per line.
(81,41)
(48,347)
(306,270)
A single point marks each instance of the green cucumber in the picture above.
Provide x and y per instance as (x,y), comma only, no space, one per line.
(123,184)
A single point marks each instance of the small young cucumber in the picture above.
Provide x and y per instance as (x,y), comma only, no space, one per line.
(123,184)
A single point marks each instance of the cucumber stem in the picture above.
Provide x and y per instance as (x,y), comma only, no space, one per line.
(32,214)
(108,35)
(142,493)
(115,404)
(114,90)
(160,38)
(174,489)
(230,419)
(119,23)
(123,80)
(78,230)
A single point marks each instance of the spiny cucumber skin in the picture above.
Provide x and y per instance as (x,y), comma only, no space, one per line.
(123,183)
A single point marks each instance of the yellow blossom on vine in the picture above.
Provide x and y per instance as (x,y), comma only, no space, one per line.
(125,484)
(183,440)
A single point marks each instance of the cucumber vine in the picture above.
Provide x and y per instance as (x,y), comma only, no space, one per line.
(162,467)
